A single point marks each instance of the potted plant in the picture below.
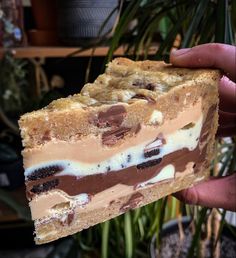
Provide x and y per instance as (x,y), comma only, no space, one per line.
(83,22)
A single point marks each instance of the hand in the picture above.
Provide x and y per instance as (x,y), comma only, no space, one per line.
(217,192)
(215,56)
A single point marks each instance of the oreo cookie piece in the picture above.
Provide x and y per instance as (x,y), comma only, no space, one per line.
(44,172)
(44,187)
(149,163)
(151,153)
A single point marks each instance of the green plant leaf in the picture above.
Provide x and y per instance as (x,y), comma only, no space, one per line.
(128,235)
(191,32)
(105,238)
(221,13)
(196,237)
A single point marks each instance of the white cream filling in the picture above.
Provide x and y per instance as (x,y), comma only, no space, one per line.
(181,138)
(168,172)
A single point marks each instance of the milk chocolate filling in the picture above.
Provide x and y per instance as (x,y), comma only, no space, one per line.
(131,176)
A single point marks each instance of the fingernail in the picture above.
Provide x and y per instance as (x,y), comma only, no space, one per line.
(180,52)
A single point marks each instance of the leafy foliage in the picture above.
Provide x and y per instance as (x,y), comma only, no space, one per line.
(193,21)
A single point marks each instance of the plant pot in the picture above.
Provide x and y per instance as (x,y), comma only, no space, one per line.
(83,21)
(45,15)
(172,246)
(43,38)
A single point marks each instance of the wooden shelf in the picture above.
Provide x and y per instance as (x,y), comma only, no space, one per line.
(43,52)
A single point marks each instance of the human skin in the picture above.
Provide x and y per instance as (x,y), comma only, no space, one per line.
(216,192)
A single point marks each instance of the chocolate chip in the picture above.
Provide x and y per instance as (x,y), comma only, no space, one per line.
(132,203)
(70,217)
(44,172)
(112,136)
(143,85)
(188,126)
(68,220)
(176,98)
(44,187)
(149,163)
(137,128)
(151,153)
(141,96)
(112,117)
(128,158)
(150,86)
(46,136)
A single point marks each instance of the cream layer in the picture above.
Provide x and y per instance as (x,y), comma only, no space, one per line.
(54,202)
(88,152)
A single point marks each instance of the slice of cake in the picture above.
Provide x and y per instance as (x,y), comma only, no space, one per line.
(141,131)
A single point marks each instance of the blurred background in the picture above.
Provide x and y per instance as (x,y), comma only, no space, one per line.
(49,49)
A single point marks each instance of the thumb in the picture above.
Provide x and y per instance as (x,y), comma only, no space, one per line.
(214,193)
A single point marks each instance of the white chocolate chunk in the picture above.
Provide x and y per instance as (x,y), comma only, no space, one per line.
(156,117)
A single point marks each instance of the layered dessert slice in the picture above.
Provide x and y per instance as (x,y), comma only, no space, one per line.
(141,131)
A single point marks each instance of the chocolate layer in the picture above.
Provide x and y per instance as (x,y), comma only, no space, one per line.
(131,176)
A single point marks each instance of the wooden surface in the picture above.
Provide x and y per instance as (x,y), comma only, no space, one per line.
(34,52)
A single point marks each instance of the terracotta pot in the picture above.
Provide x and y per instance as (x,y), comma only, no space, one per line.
(45,14)
(43,38)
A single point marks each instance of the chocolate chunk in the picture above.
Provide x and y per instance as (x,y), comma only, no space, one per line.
(151,153)
(148,98)
(70,217)
(136,128)
(46,136)
(132,203)
(143,85)
(68,220)
(150,86)
(113,117)
(111,137)
(44,172)
(44,187)
(188,126)
(149,163)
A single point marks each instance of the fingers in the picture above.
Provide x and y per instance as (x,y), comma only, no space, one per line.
(227,112)
(219,56)
(227,91)
(215,193)
(212,55)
